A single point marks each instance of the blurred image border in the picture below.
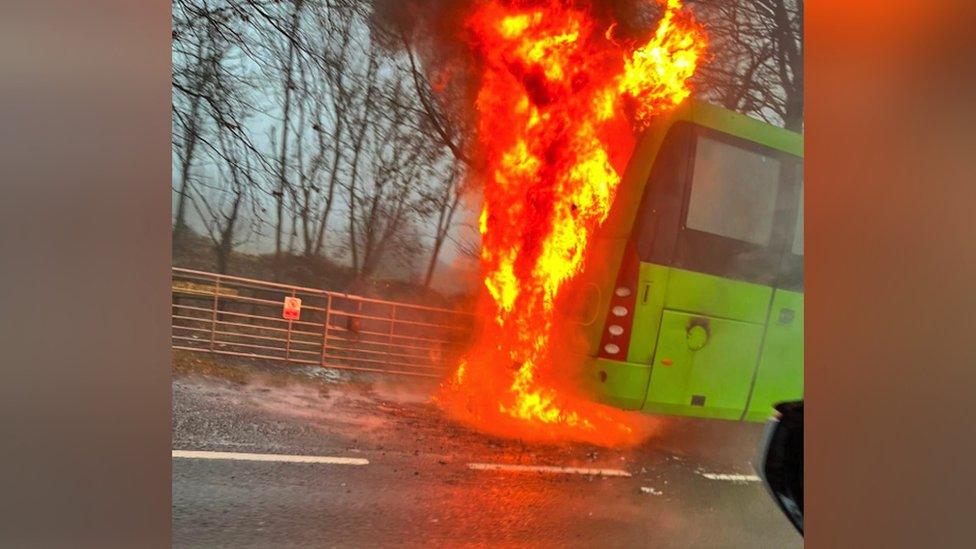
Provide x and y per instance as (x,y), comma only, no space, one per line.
(85,226)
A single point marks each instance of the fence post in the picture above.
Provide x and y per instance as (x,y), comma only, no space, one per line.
(288,336)
(213,320)
(325,327)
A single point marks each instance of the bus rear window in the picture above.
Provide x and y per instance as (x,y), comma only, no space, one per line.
(733,192)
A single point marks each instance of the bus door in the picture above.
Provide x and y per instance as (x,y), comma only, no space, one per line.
(709,274)
(779,376)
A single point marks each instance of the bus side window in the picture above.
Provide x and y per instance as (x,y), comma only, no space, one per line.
(791,270)
(659,215)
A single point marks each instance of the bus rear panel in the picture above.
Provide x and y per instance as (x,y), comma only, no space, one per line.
(696,305)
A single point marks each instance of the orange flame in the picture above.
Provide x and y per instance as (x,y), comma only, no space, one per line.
(552,127)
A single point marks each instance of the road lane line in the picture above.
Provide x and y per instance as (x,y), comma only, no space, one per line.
(547,469)
(193,454)
(731,477)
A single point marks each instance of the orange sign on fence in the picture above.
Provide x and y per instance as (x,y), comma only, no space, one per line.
(292,309)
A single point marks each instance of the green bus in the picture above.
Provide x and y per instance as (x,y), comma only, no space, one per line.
(696,308)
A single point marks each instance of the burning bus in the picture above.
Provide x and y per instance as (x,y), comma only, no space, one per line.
(696,305)
(637,244)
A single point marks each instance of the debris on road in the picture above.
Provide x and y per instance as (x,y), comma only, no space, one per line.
(731,477)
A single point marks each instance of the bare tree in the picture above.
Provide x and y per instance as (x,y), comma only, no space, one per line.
(443,200)
(328,94)
(385,203)
(339,105)
(208,94)
(363,117)
(294,113)
(287,67)
(220,208)
(755,63)
(415,29)
(450,128)
(209,128)
(195,42)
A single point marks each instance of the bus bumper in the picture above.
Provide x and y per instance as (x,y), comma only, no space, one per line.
(614,382)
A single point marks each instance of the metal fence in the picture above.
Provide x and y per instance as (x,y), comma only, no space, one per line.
(237,316)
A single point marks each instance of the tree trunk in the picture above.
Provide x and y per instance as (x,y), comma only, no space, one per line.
(433,262)
(445,217)
(283,156)
(189,149)
(327,208)
(353,248)
(185,166)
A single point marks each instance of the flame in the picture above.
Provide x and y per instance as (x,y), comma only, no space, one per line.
(552,125)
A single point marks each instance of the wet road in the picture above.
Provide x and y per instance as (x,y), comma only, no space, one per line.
(418,488)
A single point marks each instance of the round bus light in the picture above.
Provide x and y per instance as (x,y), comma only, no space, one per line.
(622,291)
(615,329)
(612,349)
(619,310)
(697,337)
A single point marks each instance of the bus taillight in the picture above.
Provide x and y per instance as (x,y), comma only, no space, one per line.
(615,340)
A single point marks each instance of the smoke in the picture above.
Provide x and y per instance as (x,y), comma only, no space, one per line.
(434,31)
(433,34)
(442,21)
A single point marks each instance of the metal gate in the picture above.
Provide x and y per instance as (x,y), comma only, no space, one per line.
(237,316)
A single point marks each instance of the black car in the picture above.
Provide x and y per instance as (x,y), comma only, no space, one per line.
(781,460)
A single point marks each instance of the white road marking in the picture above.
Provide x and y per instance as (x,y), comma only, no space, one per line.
(547,469)
(191,454)
(730,477)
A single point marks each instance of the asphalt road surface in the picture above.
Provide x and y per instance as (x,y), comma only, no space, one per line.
(411,478)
